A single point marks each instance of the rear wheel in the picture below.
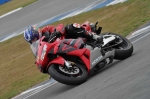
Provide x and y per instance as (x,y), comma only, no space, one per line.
(124,49)
(70,76)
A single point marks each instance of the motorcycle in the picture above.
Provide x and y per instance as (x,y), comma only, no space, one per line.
(71,61)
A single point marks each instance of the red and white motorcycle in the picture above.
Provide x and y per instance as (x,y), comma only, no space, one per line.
(71,61)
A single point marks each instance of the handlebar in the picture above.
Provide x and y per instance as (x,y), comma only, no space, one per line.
(96,23)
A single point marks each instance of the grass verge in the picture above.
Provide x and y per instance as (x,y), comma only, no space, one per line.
(14,4)
(17,69)
(121,18)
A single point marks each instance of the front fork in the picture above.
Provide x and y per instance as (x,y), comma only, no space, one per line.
(60,61)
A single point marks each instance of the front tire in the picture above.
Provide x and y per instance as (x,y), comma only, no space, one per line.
(69,79)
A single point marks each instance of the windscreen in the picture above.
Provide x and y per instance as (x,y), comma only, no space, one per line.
(34,47)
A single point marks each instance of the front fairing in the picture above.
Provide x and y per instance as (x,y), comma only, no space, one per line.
(40,50)
(44,50)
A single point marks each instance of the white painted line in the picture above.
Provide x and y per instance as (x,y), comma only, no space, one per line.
(11,12)
(12,35)
(141,37)
(84,9)
(35,90)
(39,90)
(138,32)
(115,2)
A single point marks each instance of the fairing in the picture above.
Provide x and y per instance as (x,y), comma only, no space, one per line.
(69,47)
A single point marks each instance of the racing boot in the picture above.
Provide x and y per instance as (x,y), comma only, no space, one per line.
(97,38)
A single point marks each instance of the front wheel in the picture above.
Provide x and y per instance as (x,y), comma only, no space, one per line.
(123,50)
(75,76)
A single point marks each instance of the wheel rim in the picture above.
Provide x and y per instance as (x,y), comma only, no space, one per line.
(72,70)
(77,71)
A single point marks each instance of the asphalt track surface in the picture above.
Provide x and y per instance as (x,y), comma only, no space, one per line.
(37,12)
(126,79)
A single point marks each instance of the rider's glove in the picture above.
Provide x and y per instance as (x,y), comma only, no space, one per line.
(54,35)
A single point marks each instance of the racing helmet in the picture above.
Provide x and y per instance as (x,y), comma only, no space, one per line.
(30,33)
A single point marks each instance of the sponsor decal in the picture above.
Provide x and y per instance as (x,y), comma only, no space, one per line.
(96,60)
(43,52)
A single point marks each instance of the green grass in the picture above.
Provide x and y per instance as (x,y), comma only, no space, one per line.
(122,18)
(14,4)
(17,69)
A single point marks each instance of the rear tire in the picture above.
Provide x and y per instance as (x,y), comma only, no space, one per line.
(72,79)
(123,50)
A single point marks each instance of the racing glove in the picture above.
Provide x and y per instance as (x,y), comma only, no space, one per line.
(57,34)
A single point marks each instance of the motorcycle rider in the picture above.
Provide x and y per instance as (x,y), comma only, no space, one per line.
(74,30)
